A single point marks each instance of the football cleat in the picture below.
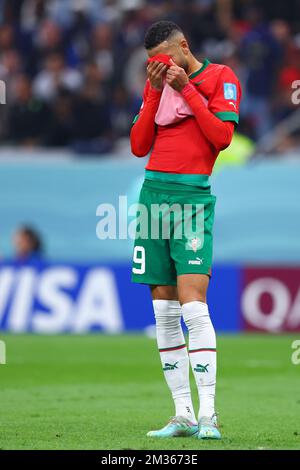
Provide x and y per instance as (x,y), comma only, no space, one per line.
(178,426)
(208,428)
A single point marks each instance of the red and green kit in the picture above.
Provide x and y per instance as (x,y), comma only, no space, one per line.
(184,133)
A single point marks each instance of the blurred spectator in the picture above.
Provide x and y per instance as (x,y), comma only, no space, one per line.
(7,37)
(92,126)
(27,244)
(49,37)
(78,39)
(32,12)
(10,66)
(102,42)
(28,115)
(261,53)
(135,72)
(60,128)
(55,74)
(123,107)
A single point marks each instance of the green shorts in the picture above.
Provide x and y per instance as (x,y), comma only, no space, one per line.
(174,232)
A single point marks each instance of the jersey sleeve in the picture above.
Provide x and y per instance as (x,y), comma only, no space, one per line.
(145,95)
(224,103)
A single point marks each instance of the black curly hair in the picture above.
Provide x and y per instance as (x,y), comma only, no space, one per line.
(159,32)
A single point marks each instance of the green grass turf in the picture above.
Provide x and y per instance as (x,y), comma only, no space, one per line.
(101,392)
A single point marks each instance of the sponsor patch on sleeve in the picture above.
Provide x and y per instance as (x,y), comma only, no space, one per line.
(230,92)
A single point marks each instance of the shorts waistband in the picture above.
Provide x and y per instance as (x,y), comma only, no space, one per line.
(174,188)
(195,180)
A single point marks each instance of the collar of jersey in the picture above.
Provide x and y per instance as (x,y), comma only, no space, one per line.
(206,62)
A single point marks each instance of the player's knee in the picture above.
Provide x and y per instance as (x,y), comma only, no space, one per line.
(164,292)
(191,294)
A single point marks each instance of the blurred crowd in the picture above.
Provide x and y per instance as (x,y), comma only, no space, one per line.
(75,69)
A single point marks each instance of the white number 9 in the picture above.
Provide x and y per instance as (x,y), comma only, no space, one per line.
(139,258)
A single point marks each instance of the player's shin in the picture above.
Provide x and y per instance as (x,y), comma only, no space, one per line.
(174,355)
(202,352)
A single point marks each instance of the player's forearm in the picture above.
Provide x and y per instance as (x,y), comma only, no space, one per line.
(218,133)
(143,130)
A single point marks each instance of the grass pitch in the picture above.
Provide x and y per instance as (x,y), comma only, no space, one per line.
(103,392)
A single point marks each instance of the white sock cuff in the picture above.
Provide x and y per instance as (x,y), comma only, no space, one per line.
(166,307)
(194,309)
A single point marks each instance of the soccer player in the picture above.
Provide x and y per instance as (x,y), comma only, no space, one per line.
(188,115)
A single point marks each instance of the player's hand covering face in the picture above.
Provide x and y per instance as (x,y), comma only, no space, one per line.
(156,72)
(176,77)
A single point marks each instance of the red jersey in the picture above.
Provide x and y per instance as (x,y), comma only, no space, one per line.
(192,144)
